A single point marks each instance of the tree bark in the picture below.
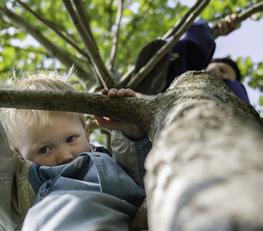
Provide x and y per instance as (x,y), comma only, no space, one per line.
(205,168)
(204,171)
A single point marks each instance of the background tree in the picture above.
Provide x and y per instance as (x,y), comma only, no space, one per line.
(199,111)
(119,27)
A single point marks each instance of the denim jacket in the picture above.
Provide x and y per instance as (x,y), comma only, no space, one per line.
(25,183)
(93,171)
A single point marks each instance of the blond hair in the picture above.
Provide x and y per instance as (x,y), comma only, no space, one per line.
(11,117)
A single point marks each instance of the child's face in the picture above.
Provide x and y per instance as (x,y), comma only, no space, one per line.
(222,70)
(54,144)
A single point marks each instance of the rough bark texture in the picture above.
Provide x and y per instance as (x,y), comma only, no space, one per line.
(205,170)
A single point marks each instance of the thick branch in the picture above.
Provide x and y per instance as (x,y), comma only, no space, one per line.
(51,25)
(207,161)
(171,41)
(103,74)
(126,109)
(62,55)
(115,35)
(256,8)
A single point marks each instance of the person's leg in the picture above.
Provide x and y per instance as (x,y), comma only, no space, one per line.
(79,210)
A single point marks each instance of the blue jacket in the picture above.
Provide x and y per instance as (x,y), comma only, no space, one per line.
(92,171)
(194,52)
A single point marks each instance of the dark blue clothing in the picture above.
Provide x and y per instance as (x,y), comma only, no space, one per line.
(238,89)
(194,52)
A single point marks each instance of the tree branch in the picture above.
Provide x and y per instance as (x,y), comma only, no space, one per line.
(85,22)
(103,74)
(127,76)
(182,21)
(51,25)
(62,55)
(125,109)
(28,49)
(110,12)
(256,8)
(171,41)
(115,36)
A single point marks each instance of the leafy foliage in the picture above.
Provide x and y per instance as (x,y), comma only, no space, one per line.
(142,21)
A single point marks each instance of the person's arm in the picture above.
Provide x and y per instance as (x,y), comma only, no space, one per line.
(133,131)
(130,145)
(131,154)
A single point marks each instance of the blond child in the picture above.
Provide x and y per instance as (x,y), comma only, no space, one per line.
(53,137)
(83,185)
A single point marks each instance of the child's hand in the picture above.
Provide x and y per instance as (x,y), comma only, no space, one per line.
(129,129)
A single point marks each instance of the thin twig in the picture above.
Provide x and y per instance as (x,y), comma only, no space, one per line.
(171,41)
(241,16)
(181,22)
(115,36)
(127,76)
(110,11)
(28,49)
(62,55)
(82,15)
(103,74)
(52,26)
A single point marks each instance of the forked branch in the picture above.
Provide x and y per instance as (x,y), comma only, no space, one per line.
(171,41)
(53,27)
(103,74)
(115,36)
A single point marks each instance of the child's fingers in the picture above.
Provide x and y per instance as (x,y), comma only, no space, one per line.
(109,92)
(112,92)
(130,92)
(123,92)
(126,92)
(105,91)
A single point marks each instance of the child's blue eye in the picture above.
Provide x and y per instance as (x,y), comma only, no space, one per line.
(71,139)
(44,150)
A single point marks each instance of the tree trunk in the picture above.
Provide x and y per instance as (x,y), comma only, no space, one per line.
(205,170)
